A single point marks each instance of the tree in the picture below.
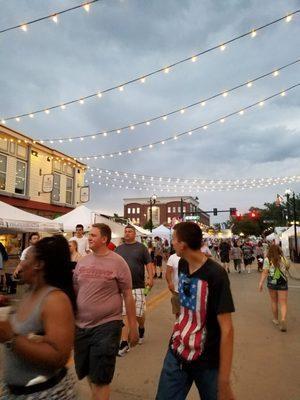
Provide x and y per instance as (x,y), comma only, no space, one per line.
(148,225)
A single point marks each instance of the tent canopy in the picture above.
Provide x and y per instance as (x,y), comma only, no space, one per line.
(80,215)
(15,219)
(86,217)
(162,232)
(140,231)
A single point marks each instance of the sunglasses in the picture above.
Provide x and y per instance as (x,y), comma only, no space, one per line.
(186,287)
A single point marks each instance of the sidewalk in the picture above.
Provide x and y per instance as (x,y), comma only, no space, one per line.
(294,271)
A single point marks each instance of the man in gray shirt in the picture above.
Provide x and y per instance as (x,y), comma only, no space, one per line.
(137,257)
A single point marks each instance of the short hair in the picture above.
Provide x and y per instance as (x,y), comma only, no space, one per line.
(33,234)
(75,244)
(104,230)
(79,226)
(128,226)
(189,233)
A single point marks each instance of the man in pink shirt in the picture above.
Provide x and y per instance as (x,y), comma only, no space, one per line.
(100,281)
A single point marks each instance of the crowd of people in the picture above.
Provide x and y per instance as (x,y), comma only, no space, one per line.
(89,296)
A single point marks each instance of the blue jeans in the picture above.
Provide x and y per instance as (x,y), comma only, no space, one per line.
(176,380)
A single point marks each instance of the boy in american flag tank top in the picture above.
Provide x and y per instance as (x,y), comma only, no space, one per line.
(201,344)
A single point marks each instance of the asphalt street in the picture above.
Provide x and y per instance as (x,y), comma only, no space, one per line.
(266,361)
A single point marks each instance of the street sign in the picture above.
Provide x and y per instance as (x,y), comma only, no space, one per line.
(47,185)
(192,218)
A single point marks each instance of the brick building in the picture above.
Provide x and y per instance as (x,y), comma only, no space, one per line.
(165,210)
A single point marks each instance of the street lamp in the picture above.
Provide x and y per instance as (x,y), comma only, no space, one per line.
(152,202)
(290,194)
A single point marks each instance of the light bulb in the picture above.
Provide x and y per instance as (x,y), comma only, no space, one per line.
(81,101)
(282,94)
(225,94)
(289,18)
(275,73)
(3,121)
(104,133)
(55,19)
(93,137)
(18,119)
(253,33)
(203,103)
(182,111)
(99,95)
(31,116)
(143,80)
(261,103)
(24,27)
(205,127)
(47,111)
(86,7)
(249,84)
(121,88)
(223,47)
(165,118)
(167,70)
(222,120)
(148,123)
(194,59)
(132,127)
(63,107)
(241,112)
(119,131)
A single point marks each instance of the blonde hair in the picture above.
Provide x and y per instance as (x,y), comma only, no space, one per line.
(274,255)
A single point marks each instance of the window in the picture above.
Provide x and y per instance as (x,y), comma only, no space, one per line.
(174,209)
(133,211)
(137,220)
(169,210)
(3,166)
(179,209)
(56,188)
(20,184)
(169,219)
(138,210)
(69,191)
(184,209)
(128,210)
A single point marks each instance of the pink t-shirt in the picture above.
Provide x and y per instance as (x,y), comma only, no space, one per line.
(99,282)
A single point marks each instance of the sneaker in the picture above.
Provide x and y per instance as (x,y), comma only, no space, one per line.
(141,340)
(141,335)
(283,326)
(275,322)
(123,349)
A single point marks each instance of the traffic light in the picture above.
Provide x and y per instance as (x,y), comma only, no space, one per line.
(215,211)
(232,212)
(238,216)
(253,214)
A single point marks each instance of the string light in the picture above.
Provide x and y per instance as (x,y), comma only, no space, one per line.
(53,16)
(198,128)
(165,69)
(195,184)
(180,110)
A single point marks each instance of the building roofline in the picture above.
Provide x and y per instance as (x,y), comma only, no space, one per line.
(41,145)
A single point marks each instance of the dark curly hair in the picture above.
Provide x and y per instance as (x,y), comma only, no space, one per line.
(54,252)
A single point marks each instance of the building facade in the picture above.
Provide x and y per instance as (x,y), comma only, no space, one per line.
(166,210)
(25,167)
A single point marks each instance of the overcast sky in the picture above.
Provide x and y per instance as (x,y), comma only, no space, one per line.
(119,40)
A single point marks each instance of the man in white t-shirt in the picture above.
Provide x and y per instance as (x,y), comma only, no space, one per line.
(82,241)
(172,279)
(33,239)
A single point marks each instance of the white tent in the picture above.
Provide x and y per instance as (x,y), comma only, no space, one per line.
(162,232)
(140,231)
(80,215)
(15,219)
(271,237)
(86,217)
(285,239)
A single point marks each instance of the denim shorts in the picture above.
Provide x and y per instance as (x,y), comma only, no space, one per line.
(95,352)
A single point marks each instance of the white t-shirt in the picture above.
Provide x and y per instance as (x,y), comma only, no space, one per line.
(173,262)
(24,252)
(205,250)
(82,244)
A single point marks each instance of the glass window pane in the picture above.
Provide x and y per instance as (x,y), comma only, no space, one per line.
(3,166)
(20,184)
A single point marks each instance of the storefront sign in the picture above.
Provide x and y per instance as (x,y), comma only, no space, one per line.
(47,183)
(84,194)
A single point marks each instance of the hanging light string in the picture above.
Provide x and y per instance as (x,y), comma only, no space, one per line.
(54,16)
(164,117)
(189,132)
(142,78)
(198,185)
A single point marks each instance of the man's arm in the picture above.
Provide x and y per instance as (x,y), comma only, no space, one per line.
(150,273)
(226,353)
(169,273)
(131,317)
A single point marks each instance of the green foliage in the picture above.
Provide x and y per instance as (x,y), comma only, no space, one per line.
(147,225)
